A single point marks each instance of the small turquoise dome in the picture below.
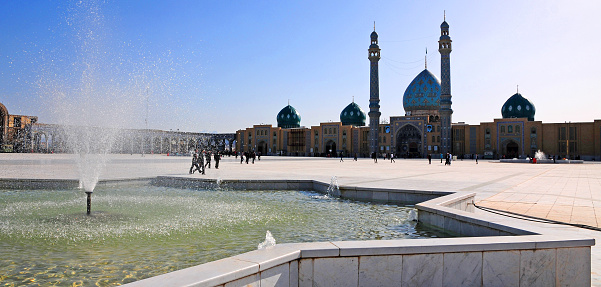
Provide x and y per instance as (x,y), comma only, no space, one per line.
(374,35)
(444,24)
(288,117)
(352,115)
(423,93)
(518,107)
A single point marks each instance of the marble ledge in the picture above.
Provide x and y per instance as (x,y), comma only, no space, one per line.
(459,244)
(270,257)
(208,274)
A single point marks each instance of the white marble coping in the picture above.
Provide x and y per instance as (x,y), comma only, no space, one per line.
(433,192)
(236,267)
(270,257)
(208,274)
(458,244)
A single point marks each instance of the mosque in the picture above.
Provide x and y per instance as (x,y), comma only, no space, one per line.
(426,128)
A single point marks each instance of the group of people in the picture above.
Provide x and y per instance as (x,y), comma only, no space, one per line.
(202,160)
(248,156)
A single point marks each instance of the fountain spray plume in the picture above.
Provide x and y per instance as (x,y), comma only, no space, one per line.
(94,98)
(539,155)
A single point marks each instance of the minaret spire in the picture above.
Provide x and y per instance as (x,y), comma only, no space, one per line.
(444,47)
(426,58)
(373,54)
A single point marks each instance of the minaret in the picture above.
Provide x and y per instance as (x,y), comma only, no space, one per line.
(444,47)
(374,92)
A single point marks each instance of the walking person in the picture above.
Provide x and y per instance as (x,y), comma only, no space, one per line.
(341,157)
(208,159)
(247,156)
(194,164)
(355,158)
(241,157)
(217,158)
(392,158)
(201,162)
(253,155)
(429,158)
(476,158)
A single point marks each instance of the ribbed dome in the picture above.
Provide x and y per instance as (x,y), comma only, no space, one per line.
(352,115)
(374,35)
(423,93)
(518,107)
(288,117)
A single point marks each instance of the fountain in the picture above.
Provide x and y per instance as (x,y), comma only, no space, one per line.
(540,157)
(333,189)
(95,98)
(136,226)
(268,243)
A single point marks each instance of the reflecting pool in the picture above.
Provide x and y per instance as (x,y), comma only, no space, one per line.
(138,231)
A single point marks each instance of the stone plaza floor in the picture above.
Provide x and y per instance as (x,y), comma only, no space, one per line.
(568,193)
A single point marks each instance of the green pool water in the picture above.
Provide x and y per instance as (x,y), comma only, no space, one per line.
(138,231)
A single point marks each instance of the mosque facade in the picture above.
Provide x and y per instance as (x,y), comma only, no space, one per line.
(426,127)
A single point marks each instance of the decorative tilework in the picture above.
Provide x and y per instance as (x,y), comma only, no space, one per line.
(423,93)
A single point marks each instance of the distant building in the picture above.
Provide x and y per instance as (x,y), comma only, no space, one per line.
(14,130)
(24,134)
(426,128)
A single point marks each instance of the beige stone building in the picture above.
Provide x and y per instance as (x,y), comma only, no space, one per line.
(13,130)
(426,126)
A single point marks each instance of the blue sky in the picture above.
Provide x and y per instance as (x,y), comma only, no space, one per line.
(226,65)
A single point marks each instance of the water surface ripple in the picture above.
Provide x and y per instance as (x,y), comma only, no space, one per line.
(139,231)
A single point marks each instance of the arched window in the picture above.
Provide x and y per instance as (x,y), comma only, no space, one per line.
(502,129)
(533,130)
(517,129)
(510,129)
(487,131)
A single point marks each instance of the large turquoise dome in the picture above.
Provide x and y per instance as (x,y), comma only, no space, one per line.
(352,115)
(518,107)
(288,117)
(423,93)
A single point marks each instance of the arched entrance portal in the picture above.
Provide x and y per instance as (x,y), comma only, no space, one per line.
(262,148)
(331,148)
(511,149)
(409,142)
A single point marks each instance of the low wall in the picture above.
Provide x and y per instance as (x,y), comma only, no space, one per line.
(534,260)
(349,192)
(543,161)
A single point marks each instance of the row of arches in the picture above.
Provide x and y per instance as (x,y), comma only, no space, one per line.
(54,139)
